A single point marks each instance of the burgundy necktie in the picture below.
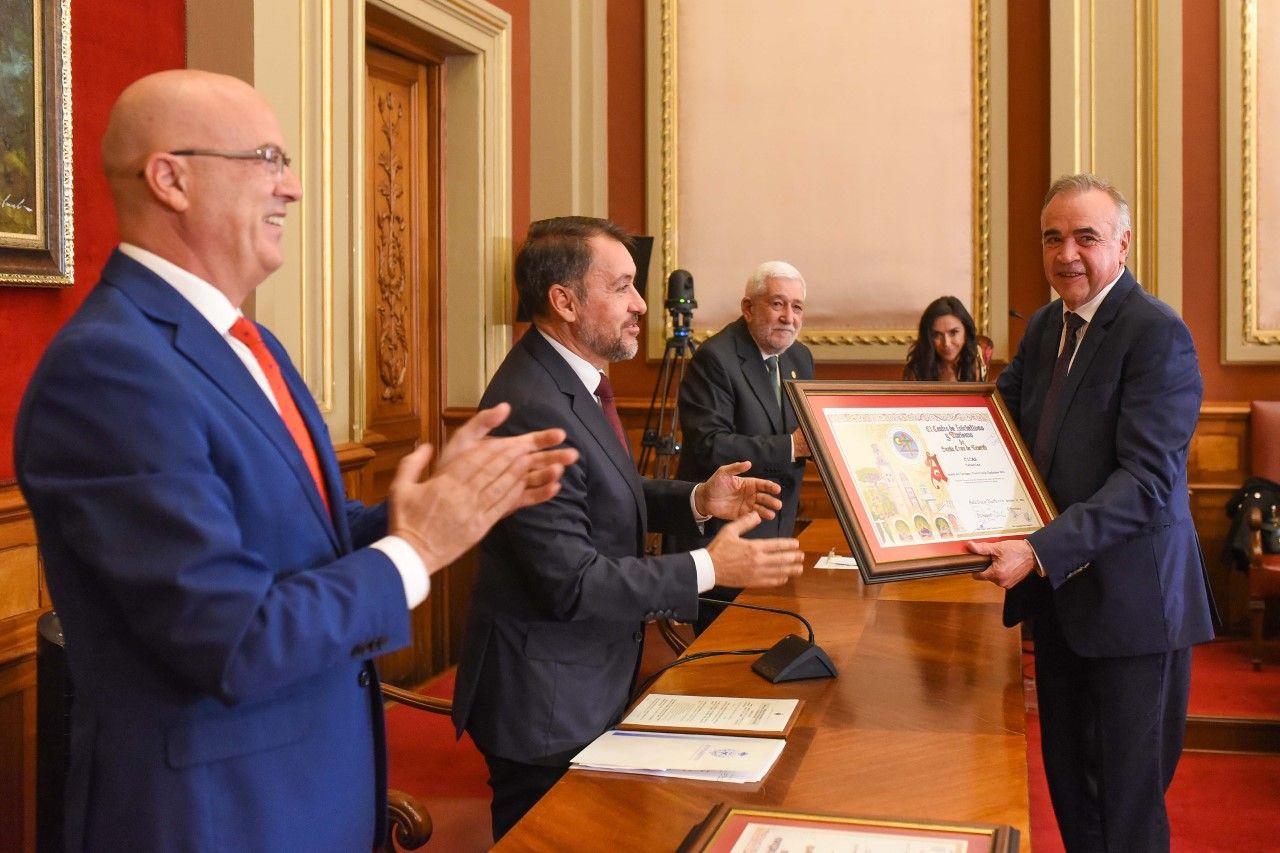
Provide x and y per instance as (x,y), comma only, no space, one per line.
(1053,399)
(247,333)
(605,392)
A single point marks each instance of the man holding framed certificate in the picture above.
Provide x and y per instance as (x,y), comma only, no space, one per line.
(1106,389)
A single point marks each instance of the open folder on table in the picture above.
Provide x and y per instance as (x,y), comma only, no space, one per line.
(683,756)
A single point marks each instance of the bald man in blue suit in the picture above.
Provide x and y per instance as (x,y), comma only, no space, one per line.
(1106,390)
(220,597)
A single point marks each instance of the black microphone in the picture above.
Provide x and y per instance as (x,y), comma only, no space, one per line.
(791,658)
(1013,313)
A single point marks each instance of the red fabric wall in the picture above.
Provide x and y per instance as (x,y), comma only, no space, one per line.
(112,44)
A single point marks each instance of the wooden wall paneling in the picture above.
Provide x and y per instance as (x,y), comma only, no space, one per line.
(18,755)
(1217,464)
(22,600)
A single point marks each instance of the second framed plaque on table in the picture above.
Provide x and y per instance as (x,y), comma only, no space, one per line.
(734,829)
(916,470)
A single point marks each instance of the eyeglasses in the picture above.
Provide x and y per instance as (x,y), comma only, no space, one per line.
(269,154)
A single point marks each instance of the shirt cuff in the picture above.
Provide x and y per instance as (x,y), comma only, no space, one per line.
(1039,565)
(693,507)
(413,574)
(705,568)
(791,438)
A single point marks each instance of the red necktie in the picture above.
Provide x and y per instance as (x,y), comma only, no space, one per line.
(605,392)
(247,333)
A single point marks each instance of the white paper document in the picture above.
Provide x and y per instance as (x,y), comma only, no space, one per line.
(835,561)
(672,713)
(709,758)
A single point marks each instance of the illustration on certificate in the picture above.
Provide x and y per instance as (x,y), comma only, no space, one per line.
(930,474)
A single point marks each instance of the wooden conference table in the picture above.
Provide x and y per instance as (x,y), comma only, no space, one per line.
(925,719)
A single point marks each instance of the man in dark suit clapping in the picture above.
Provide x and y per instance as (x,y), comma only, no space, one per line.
(556,623)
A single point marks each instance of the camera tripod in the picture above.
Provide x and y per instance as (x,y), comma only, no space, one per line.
(660,446)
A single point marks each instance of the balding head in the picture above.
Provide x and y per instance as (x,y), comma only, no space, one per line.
(220,218)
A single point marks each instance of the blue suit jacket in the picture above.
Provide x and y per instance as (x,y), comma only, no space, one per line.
(1125,572)
(553,636)
(217,620)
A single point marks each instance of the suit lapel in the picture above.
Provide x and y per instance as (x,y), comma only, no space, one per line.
(586,409)
(752,365)
(792,368)
(208,352)
(1045,355)
(334,489)
(1094,335)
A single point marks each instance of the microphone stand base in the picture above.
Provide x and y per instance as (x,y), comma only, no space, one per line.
(792,659)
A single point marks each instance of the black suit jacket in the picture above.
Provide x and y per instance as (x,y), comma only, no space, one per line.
(728,413)
(553,637)
(1125,572)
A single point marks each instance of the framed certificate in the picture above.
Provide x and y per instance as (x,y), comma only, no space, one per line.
(916,470)
(733,829)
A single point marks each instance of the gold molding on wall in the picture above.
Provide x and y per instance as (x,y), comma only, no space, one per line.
(1243,339)
(1116,111)
(989,189)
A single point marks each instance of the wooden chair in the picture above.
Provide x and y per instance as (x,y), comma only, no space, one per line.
(1264,569)
(675,634)
(410,822)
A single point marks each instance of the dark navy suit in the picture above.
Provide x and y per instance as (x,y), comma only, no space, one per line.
(554,634)
(218,621)
(728,413)
(1126,593)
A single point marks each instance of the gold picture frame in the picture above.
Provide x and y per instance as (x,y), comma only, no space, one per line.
(1250,189)
(917,470)
(835,335)
(725,826)
(37,245)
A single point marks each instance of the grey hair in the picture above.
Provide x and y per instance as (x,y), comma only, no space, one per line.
(757,284)
(1084,182)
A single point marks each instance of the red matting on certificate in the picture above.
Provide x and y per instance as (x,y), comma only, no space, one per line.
(918,470)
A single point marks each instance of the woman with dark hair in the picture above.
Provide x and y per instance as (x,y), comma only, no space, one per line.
(946,346)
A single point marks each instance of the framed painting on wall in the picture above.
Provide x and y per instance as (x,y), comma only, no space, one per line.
(863,142)
(1250,182)
(36,222)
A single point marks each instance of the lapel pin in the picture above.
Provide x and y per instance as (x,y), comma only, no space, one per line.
(793,374)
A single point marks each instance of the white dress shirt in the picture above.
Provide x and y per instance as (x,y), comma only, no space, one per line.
(590,376)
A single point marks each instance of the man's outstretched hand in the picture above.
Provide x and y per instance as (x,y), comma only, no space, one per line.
(728,496)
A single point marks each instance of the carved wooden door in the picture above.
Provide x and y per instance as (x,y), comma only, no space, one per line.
(403,367)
